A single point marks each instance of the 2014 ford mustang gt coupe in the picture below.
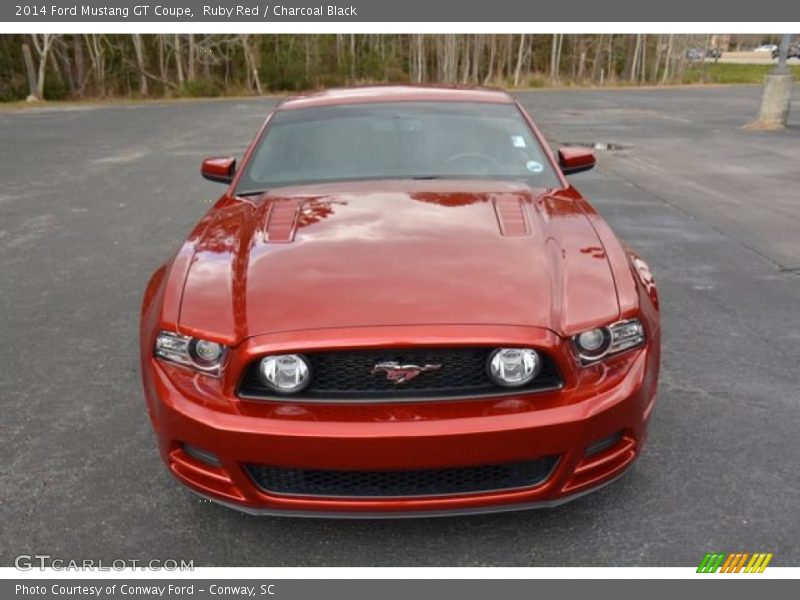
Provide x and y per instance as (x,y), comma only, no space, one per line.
(399,306)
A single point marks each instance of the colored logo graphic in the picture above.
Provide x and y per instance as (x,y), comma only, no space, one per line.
(734,562)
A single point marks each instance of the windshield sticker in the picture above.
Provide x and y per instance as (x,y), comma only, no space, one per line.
(517,141)
(534,167)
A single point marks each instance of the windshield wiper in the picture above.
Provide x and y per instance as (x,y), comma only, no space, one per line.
(251,193)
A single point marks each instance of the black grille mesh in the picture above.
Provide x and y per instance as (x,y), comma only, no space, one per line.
(427,482)
(347,375)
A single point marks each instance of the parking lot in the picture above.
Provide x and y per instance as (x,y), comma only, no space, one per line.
(94,198)
(750,58)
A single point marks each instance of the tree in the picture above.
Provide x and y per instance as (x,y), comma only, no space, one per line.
(96,48)
(555,56)
(520,55)
(102,65)
(42,42)
(250,47)
(179,60)
(667,61)
(138,48)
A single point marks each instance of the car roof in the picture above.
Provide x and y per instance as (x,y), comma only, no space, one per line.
(395,93)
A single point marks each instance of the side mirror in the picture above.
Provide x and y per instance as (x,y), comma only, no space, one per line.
(219,169)
(575,159)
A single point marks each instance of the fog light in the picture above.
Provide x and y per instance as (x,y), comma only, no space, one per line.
(514,367)
(604,444)
(202,455)
(285,373)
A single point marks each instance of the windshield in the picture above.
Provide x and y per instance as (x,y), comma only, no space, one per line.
(402,140)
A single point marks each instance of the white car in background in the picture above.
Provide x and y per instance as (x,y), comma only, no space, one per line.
(766,48)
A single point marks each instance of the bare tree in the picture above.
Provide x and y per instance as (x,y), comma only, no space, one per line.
(643,60)
(555,56)
(68,54)
(192,58)
(667,61)
(31,72)
(466,62)
(251,52)
(138,48)
(79,63)
(42,42)
(520,56)
(352,57)
(179,60)
(492,54)
(581,51)
(477,54)
(596,61)
(112,64)
(96,48)
(448,58)
(419,62)
(635,60)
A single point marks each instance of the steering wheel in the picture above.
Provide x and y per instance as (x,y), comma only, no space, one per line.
(461,156)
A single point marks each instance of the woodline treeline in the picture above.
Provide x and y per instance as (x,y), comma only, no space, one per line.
(97,66)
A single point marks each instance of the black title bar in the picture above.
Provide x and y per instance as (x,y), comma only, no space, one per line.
(258,11)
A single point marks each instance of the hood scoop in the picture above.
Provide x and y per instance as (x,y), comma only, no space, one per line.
(281,221)
(511,216)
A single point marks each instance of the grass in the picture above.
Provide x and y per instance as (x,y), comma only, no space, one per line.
(732,73)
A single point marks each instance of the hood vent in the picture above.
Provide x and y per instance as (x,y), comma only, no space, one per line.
(511,216)
(281,221)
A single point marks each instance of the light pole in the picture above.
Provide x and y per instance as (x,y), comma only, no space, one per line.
(783,53)
(776,94)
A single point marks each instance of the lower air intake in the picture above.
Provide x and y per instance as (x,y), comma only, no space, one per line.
(423,482)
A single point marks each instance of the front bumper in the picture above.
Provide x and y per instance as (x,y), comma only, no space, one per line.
(608,401)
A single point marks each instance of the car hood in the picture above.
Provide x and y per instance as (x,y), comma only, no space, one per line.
(397,253)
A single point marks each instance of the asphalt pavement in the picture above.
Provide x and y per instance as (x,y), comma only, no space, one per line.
(750,58)
(94,198)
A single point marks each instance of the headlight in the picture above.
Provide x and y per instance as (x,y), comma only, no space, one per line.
(205,351)
(514,367)
(596,343)
(200,354)
(593,344)
(285,373)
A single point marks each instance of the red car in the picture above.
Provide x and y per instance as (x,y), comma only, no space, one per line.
(399,307)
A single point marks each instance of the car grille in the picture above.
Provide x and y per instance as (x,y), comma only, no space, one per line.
(347,375)
(427,482)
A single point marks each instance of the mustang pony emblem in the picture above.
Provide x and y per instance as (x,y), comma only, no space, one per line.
(397,373)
